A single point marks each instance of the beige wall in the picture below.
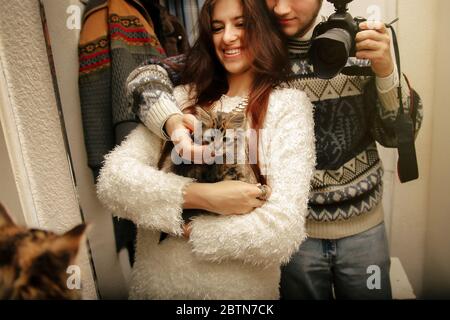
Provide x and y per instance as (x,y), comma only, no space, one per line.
(8,190)
(421,221)
(417,42)
(110,280)
(34,137)
(437,258)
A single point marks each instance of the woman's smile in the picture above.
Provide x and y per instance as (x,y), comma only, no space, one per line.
(232,53)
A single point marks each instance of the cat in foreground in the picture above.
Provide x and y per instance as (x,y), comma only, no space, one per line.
(33,263)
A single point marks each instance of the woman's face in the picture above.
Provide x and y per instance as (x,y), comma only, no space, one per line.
(228,36)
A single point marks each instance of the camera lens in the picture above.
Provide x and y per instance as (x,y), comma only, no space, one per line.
(330,52)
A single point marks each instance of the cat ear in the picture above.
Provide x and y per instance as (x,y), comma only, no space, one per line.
(71,240)
(235,121)
(204,117)
(5,218)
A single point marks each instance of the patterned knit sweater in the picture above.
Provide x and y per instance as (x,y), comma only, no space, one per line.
(116,37)
(351,114)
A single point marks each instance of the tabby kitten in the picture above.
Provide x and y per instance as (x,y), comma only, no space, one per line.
(229,149)
(33,263)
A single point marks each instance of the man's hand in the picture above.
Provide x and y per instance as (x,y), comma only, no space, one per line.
(179,128)
(374,43)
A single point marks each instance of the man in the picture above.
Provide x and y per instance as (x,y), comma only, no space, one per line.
(347,235)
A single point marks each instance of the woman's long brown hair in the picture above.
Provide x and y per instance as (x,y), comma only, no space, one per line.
(263,42)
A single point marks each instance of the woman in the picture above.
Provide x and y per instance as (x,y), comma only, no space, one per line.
(236,254)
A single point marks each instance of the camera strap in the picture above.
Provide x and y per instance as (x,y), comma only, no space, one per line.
(404,127)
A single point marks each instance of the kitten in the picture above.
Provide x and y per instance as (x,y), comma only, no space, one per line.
(229,149)
(33,263)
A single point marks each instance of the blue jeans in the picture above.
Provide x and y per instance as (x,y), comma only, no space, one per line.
(356,267)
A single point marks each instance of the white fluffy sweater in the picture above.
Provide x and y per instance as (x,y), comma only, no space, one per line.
(227,257)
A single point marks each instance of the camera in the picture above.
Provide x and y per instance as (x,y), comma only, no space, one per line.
(333,41)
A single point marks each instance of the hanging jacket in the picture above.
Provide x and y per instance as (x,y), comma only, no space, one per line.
(116,37)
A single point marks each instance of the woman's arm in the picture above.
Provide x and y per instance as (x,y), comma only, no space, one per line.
(272,233)
(132,187)
(223,198)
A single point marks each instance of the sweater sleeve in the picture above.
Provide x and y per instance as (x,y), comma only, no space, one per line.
(133,188)
(270,234)
(385,108)
(150,92)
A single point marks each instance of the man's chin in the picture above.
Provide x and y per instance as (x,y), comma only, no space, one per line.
(291,32)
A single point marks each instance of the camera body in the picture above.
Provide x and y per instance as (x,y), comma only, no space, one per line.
(333,41)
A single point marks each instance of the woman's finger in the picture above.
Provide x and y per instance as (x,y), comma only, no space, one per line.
(190,122)
(256,203)
(261,192)
(187,230)
(269,192)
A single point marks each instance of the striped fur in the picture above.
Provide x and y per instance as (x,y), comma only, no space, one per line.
(33,263)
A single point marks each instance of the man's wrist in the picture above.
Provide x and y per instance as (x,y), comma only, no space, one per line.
(386,84)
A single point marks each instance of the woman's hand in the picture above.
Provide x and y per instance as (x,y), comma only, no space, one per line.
(187,230)
(234,197)
(225,198)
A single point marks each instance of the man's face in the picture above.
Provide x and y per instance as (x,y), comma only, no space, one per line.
(295,17)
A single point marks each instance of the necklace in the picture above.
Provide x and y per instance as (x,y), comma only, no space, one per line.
(243,103)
